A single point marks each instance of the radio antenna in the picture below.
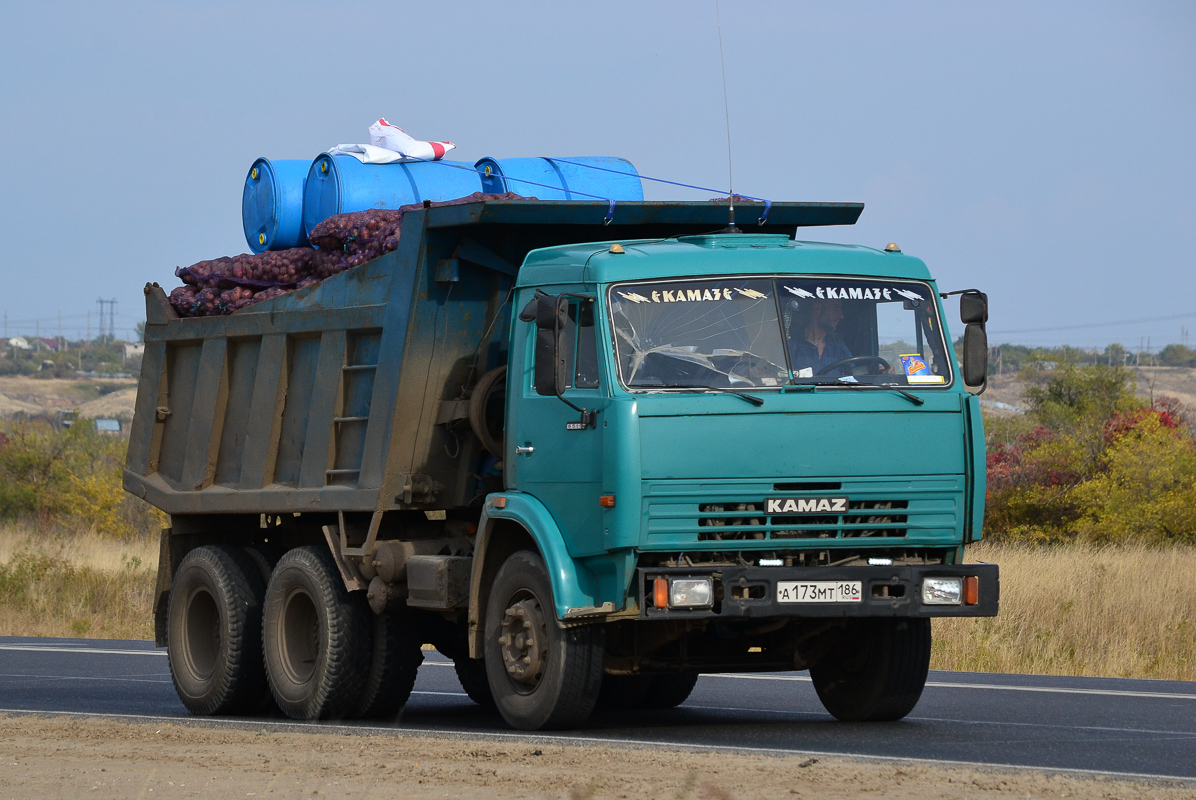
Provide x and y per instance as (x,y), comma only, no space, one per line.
(727,114)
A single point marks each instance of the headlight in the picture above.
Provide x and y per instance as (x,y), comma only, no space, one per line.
(942,591)
(691,593)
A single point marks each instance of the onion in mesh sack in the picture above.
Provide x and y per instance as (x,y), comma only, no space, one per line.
(229,283)
(182,298)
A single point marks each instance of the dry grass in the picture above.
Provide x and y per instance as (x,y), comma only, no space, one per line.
(1126,611)
(1122,611)
(75,585)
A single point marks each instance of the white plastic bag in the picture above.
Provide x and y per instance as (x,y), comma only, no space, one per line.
(367,153)
(392,137)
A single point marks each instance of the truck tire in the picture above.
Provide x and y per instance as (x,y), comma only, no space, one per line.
(316,637)
(265,558)
(542,676)
(668,691)
(214,629)
(471,672)
(620,693)
(397,654)
(481,412)
(876,672)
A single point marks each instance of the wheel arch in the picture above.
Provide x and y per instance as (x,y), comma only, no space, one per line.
(523,523)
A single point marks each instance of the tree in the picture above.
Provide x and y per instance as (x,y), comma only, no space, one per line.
(1176,355)
(1076,401)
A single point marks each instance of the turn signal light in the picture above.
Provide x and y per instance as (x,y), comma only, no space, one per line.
(971,590)
(499,502)
(607,501)
(660,593)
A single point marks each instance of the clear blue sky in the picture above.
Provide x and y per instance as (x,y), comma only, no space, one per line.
(1044,152)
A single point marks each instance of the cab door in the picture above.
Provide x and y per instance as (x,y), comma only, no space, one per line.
(551,453)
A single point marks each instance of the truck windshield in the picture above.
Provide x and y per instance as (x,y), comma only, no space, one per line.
(765,332)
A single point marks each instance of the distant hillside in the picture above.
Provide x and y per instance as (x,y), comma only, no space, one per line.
(91,397)
(1153,382)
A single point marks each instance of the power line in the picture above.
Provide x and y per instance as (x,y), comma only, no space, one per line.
(1097,324)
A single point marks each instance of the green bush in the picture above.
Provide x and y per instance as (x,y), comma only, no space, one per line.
(1146,490)
(72,475)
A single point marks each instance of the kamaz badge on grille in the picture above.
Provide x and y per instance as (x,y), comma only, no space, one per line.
(805,505)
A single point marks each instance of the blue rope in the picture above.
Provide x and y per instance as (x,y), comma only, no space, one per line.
(763,217)
(610,211)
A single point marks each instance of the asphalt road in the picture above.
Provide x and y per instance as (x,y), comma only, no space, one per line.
(1129,727)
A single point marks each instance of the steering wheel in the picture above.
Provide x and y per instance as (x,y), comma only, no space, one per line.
(848,363)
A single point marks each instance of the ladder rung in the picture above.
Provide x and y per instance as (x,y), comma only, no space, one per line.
(341,471)
(349,419)
(354,367)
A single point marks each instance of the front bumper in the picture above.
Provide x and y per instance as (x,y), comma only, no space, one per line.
(887,591)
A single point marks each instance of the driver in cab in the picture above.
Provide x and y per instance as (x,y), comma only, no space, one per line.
(813,342)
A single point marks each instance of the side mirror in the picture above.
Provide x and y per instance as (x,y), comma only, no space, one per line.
(973,307)
(975,356)
(552,315)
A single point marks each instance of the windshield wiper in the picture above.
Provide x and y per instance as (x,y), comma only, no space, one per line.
(853,384)
(751,398)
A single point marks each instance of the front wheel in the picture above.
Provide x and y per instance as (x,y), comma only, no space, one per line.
(542,676)
(875,671)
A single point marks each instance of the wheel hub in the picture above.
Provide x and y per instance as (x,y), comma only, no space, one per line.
(524,641)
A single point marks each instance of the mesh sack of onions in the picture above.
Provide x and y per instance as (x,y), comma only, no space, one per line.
(230,283)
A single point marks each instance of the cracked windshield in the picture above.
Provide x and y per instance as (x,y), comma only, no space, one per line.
(762,333)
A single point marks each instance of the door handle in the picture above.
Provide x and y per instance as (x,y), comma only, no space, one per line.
(521,450)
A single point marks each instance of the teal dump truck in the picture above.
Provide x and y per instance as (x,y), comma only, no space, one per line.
(586,455)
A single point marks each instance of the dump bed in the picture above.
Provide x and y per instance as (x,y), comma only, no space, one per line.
(352,395)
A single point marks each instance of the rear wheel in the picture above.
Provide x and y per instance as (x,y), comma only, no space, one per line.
(316,637)
(214,632)
(668,691)
(471,672)
(621,693)
(876,671)
(542,676)
(265,558)
(397,655)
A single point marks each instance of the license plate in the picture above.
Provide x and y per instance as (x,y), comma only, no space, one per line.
(819,591)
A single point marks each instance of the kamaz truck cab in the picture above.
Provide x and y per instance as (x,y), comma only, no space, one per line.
(743,452)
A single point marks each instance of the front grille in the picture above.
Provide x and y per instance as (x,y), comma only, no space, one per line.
(864,518)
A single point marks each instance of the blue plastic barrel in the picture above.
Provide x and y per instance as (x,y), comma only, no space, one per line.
(272,205)
(342,184)
(573,178)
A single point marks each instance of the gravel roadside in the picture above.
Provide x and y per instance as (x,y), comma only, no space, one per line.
(60,758)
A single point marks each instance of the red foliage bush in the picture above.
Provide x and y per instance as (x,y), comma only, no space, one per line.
(1167,410)
(1009,465)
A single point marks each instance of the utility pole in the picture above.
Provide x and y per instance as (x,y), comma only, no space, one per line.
(111,317)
